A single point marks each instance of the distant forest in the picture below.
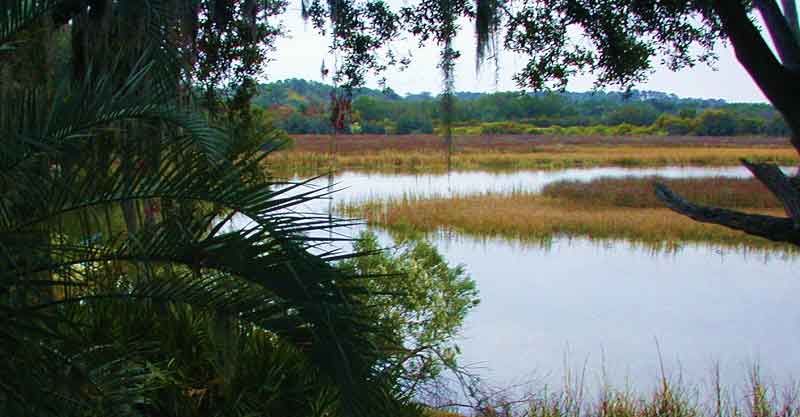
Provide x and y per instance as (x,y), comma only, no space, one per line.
(300,106)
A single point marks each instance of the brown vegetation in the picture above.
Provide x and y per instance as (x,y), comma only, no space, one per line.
(312,154)
(346,144)
(603,209)
(638,192)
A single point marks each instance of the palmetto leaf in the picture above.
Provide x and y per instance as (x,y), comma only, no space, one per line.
(262,275)
(70,157)
(48,125)
(17,14)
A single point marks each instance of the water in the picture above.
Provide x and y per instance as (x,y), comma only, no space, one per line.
(354,187)
(610,309)
(613,310)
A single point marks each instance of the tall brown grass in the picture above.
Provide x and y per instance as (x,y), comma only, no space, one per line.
(530,157)
(638,193)
(603,209)
(345,144)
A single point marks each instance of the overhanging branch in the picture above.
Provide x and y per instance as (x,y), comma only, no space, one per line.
(780,185)
(777,229)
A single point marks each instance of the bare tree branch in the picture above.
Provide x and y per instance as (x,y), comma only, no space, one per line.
(777,229)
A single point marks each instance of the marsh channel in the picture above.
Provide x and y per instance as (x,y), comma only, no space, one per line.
(612,311)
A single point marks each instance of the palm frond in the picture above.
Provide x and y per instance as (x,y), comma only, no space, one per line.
(77,114)
(79,292)
(17,14)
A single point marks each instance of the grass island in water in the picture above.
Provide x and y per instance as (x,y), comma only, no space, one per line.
(604,209)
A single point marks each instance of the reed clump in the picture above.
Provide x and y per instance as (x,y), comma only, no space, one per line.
(667,400)
(600,210)
(670,397)
(638,193)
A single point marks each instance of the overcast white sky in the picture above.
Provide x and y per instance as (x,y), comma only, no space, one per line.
(301,55)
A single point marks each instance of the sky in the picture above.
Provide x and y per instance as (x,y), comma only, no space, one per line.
(301,54)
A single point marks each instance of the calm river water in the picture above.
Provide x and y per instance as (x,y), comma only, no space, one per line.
(358,186)
(609,308)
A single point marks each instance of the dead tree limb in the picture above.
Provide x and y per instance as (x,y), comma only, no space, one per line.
(777,229)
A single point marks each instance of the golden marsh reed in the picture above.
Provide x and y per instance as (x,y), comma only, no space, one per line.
(531,157)
(605,209)
(742,193)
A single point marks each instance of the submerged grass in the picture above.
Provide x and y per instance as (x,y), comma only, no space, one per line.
(530,157)
(606,209)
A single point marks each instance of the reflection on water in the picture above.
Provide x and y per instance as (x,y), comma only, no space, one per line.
(358,186)
(664,248)
(608,305)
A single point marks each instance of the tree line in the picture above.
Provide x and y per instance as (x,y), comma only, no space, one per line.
(302,107)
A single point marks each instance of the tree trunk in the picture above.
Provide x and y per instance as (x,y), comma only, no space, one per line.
(780,82)
(776,229)
(792,117)
(781,85)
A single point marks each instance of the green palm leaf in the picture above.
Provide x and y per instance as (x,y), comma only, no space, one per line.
(76,285)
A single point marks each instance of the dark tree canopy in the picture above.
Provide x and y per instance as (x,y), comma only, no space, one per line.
(625,36)
(617,41)
(620,41)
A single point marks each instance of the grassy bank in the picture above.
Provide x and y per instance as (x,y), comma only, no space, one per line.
(524,155)
(605,209)
(669,398)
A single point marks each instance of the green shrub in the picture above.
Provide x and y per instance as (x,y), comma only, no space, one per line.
(421,300)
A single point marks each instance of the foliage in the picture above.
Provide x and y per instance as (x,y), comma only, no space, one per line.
(422,302)
(254,129)
(145,271)
(643,114)
(716,123)
(675,125)
(615,40)
(300,107)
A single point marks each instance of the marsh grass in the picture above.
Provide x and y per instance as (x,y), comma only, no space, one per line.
(605,209)
(638,192)
(670,397)
(525,157)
